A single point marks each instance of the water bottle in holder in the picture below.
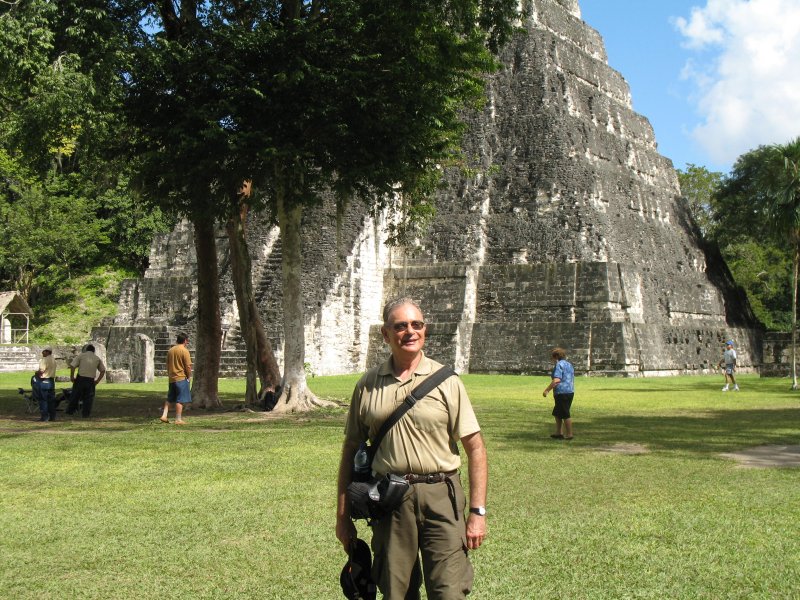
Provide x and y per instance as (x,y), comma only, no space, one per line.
(362,463)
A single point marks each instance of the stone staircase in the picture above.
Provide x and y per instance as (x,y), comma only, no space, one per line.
(18,358)
(233,360)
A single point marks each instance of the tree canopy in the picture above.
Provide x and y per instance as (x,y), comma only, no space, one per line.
(760,262)
(763,194)
(361,98)
(64,203)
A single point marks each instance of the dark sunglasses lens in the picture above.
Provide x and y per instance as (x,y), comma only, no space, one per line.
(403,325)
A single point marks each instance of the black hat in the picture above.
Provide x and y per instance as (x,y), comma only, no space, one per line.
(356,580)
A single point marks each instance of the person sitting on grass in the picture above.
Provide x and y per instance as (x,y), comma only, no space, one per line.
(563,385)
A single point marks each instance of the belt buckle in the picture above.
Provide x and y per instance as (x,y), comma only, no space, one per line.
(433,478)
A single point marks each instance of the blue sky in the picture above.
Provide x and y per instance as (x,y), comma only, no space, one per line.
(715,78)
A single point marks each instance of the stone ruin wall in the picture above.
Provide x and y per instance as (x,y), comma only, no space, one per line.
(575,233)
(778,355)
(572,233)
(343,292)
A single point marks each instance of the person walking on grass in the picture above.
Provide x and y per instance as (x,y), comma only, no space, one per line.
(729,360)
(91,371)
(563,385)
(179,369)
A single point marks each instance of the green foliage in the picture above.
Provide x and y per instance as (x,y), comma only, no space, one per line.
(66,311)
(361,97)
(765,272)
(132,222)
(758,204)
(46,232)
(64,206)
(762,193)
(698,186)
(57,93)
(643,500)
(759,261)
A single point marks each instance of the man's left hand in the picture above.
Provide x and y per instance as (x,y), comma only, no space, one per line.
(476,531)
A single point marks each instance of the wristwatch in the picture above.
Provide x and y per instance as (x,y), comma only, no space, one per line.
(478,510)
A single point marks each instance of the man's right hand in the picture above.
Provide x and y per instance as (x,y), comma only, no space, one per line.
(345,532)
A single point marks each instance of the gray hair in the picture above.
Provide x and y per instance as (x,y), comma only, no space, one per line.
(392,304)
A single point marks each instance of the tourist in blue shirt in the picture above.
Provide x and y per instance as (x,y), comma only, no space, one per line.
(563,385)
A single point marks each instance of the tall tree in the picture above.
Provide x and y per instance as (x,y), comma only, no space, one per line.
(766,182)
(59,106)
(362,98)
(260,357)
(759,263)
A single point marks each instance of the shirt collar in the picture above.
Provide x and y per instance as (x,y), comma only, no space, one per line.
(424,367)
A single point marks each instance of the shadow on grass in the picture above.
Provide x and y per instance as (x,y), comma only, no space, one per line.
(713,431)
(124,409)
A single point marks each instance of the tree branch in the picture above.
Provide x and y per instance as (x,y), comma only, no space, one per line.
(172,25)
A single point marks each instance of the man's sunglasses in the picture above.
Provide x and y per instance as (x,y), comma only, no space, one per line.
(401,326)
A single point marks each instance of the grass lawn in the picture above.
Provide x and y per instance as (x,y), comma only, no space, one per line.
(241,505)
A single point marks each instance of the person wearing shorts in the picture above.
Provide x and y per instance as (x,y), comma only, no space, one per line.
(729,360)
(562,382)
(179,369)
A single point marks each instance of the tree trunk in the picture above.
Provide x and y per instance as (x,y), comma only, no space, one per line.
(205,385)
(268,370)
(295,395)
(794,312)
(260,358)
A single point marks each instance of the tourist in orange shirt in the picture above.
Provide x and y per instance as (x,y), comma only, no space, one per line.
(179,369)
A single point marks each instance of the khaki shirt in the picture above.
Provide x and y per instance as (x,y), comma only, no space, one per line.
(179,363)
(88,364)
(426,439)
(47,365)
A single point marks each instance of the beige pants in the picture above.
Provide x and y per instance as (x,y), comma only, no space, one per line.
(424,523)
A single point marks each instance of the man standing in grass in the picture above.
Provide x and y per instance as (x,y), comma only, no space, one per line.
(422,448)
(562,382)
(179,369)
(729,360)
(47,385)
(91,371)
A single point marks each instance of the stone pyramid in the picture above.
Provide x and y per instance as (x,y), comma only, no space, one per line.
(570,231)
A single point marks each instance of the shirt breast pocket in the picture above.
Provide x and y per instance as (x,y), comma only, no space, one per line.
(429,415)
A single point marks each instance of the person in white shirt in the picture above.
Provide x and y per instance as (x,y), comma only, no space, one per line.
(91,371)
(47,387)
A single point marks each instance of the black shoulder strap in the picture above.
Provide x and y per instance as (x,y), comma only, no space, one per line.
(418,393)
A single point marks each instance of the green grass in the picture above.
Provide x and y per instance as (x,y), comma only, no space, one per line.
(239,505)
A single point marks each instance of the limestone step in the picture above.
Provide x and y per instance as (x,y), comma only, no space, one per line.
(18,358)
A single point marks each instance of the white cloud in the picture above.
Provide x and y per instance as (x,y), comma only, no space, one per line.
(746,73)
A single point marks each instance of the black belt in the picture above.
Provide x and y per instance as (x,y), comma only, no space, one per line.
(429,477)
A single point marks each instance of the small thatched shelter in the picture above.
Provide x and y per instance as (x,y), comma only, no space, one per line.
(15,318)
